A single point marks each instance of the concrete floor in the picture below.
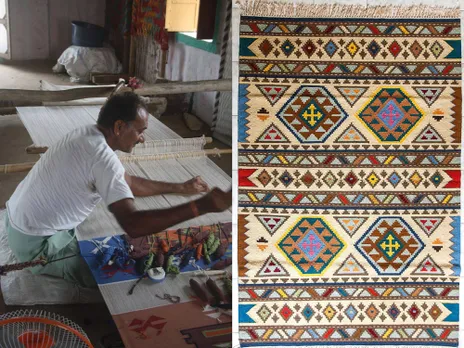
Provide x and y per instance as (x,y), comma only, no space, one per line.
(94,319)
(27,74)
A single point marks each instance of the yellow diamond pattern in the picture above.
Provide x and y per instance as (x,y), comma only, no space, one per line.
(416,179)
(329,312)
(373,179)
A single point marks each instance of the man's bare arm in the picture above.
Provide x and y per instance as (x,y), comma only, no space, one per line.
(138,223)
(141,187)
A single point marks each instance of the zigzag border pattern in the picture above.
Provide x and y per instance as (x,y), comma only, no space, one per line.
(242,113)
(456,247)
(317,292)
(426,280)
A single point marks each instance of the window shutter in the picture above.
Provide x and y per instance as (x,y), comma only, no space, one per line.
(182,15)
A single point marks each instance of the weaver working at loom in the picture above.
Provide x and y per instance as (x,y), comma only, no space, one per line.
(66,184)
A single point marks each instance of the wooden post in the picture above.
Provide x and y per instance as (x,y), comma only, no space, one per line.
(132,51)
(16,168)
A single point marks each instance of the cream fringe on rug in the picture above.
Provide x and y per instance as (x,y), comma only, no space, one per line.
(276,8)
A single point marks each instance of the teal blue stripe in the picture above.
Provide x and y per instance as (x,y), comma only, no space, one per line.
(243,316)
(245,43)
(456,46)
(454,315)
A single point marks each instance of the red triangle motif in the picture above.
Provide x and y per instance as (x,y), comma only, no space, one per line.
(271,268)
(428,224)
(428,266)
(272,134)
(273,93)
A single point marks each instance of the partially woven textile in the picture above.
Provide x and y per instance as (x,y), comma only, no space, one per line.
(349,175)
(148,19)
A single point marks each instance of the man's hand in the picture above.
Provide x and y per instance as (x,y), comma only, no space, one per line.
(215,201)
(143,187)
(193,186)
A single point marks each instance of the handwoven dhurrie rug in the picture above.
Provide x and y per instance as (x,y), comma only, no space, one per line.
(349,176)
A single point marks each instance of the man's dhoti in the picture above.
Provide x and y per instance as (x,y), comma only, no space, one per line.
(61,244)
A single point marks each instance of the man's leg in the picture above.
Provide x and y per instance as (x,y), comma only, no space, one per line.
(62,244)
(74,269)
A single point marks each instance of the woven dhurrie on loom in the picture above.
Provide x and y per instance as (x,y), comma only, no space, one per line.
(349,176)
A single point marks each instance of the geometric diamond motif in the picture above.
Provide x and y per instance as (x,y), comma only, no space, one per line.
(272,222)
(416,49)
(311,245)
(329,312)
(329,179)
(393,312)
(264,177)
(415,178)
(312,114)
(435,312)
(390,114)
(389,245)
(286,312)
(428,224)
(307,312)
(394,49)
(436,179)
(331,48)
(266,47)
(373,48)
(436,49)
(264,313)
(351,312)
(287,47)
(352,48)
(372,312)
(351,179)
(286,178)
(307,179)
(414,311)
(394,179)
(373,179)
(309,48)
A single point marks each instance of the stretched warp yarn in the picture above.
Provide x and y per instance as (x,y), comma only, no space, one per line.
(168,146)
(349,158)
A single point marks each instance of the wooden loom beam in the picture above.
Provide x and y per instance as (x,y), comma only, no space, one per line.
(26,166)
(35,150)
(81,93)
(157,105)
